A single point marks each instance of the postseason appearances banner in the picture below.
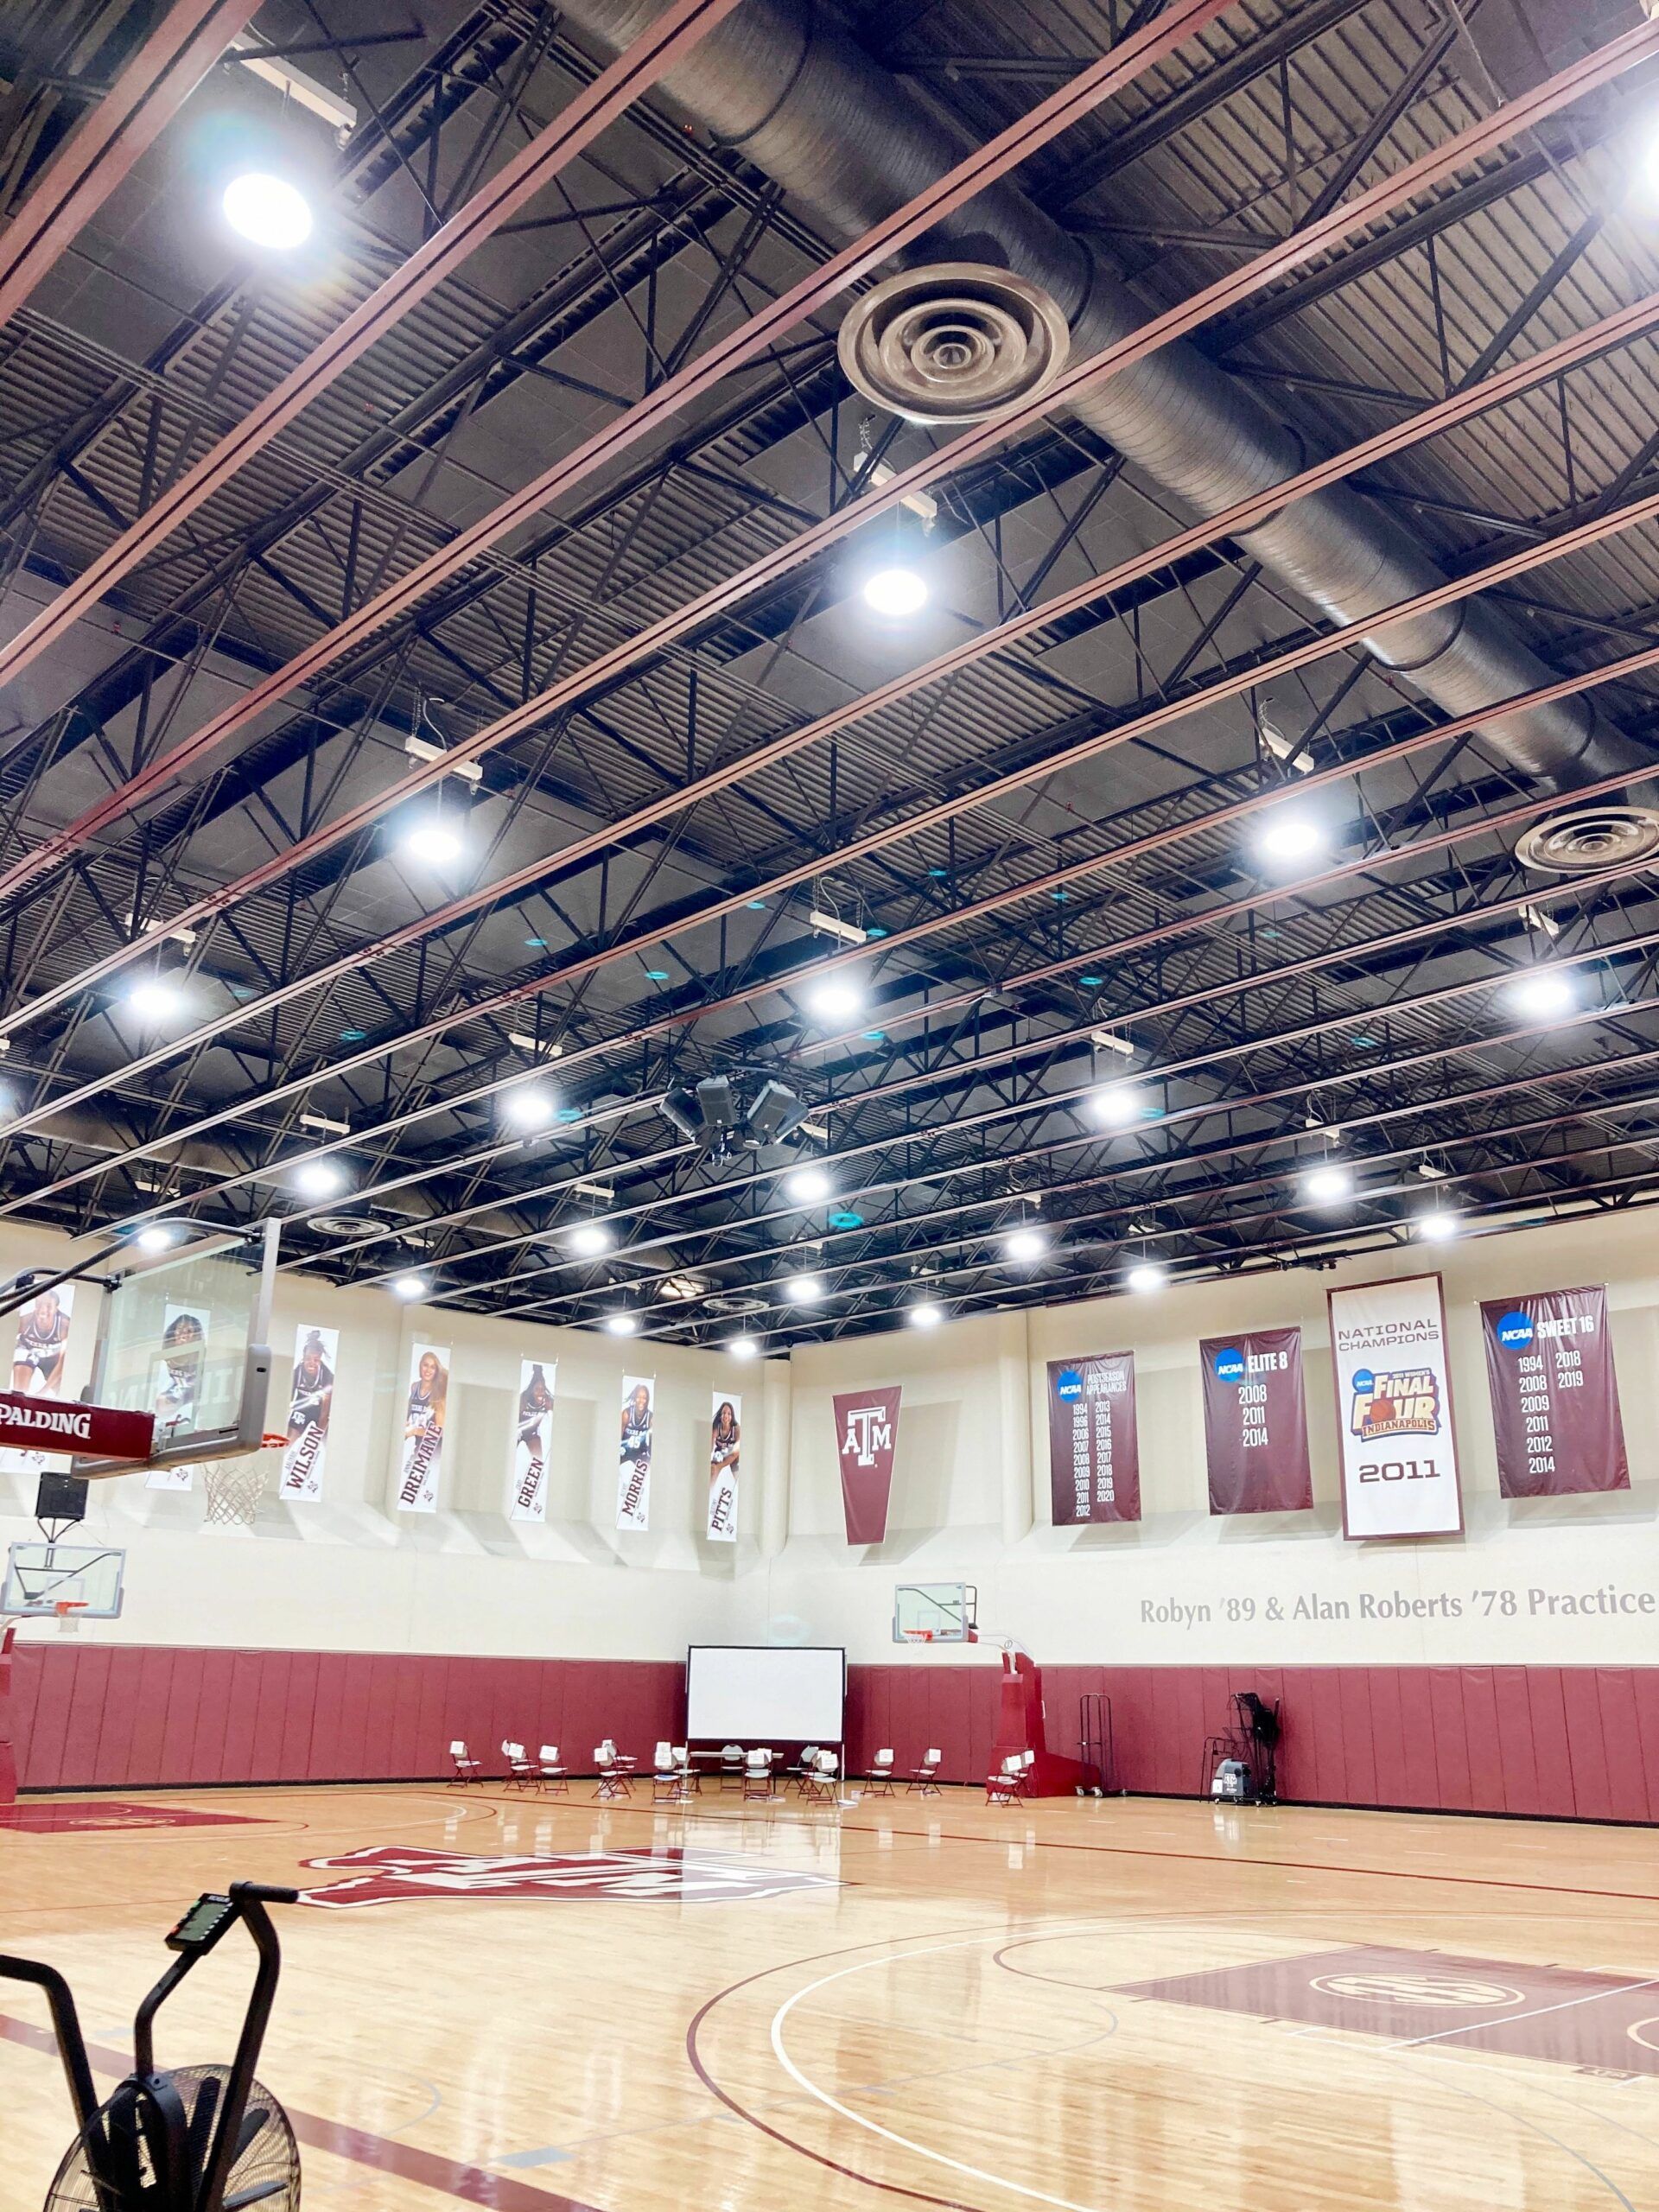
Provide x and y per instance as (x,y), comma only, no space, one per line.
(1549,1368)
(1094,1453)
(633,1463)
(424,1418)
(1256,1422)
(1394,1410)
(866,1436)
(532,1443)
(310,1403)
(725,1442)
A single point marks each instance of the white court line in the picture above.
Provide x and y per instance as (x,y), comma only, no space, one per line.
(1539,2012)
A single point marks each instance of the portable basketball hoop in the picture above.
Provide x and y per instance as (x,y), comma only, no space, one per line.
(234,1487)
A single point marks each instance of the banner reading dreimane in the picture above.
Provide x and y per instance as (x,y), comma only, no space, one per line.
(61,1425)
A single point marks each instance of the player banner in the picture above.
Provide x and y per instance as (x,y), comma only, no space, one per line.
(422,1463)
(1394,1409)
(37,1360)
(1256,1422)
(310,1404)
(532,1444)
(1549,1368)
(725,1436)
(1094,1450)
(633,1461)
(866,1436)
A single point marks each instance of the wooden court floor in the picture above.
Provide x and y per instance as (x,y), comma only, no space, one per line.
(529,2004)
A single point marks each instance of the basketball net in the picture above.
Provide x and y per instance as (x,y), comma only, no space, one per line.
(234,1487)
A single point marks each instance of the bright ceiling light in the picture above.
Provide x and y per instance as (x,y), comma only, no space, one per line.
(268,211)
(743,1348)
(926,1315)
(409,1286)
(1145,1275)
(431,844)
(805,1290)
(155,999)
(895,592)
(810,1185)
(589,1240)
(157,1238)
(1439,1227)
(1025,1244)
(318,1179)
(1116,1106)
(1328,1183)
(1541,994)
(528,1108)
(1285,839)
(621,1325)
(836,998)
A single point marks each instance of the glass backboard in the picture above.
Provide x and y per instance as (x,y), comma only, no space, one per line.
(40,1577)
(935,1612)
(184,1337)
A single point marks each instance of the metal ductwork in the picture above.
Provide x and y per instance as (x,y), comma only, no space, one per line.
(785,83)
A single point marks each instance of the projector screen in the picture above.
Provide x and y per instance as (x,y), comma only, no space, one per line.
(752,1694)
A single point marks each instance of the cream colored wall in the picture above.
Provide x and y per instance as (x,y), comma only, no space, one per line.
(970,1488)
(352,1573)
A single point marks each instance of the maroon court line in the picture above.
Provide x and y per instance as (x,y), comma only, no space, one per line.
(471,2185)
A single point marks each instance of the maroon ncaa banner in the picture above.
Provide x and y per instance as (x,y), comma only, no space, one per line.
(1256,1422)
(1549,1368)
(1094,1453)
(866,1431)
(59,1425)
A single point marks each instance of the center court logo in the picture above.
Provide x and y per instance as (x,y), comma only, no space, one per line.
(1428,1989)
(393,1874)
(1515,1330)
(1229,1364)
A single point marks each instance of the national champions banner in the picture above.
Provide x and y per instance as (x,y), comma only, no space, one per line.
(1394,1409)
(1094,1450)
(1549,1368)
(532,1442)
(425,1412)
(310,1405)
(725,1442)
(866,1436)
(633,1461)
(37,1358)
(1256,1422)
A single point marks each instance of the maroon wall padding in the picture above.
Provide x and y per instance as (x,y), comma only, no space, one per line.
(92,1716)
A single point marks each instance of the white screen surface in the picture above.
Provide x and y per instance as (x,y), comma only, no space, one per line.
(751,1694)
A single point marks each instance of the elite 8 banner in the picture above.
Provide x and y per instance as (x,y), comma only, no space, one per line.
(425,1412)
(1254,1422)
(532,1442)
(1549,1368)
(310,1403)
(725,1440)
(1394,1409)
(633,1459)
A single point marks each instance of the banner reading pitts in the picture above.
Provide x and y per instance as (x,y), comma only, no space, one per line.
(424,1415)
(725,1439)
(1094,1450)
(1394,1410)
(1256,1422)
(310,1403)
(37,1360)
(633,1464)
(866,1435)
(532,1444)
(1549,1368)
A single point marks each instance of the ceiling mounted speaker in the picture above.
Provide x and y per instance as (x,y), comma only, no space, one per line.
(953,343)
(1592,838)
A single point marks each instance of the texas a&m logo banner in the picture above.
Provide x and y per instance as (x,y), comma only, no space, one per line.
(1394,1409)
(394,1873)
(866,1434)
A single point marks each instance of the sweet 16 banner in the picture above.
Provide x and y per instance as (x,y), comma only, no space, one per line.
(1256,1422)
(725,1442)
(1094,1451)
(1394,1409)
(532,1442)
(424,1413)
(633,1461)
(310,1404)
(866,1435)
(1549,1368)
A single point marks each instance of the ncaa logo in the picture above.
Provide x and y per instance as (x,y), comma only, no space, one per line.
(1363,1382)
(1229,1365)
(1068,1385)
(1515,1330)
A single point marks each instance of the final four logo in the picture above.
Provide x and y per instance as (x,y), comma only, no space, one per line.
(1403,1403)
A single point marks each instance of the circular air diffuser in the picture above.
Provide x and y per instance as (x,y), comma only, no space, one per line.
(953,343)
(1594,837)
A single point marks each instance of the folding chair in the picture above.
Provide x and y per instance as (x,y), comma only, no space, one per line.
(1007,1784)
(522,1773)
(731,1767)
(880,1777)
(554,1780)
(757,1774)
(921,1783)
(467,1771)
(820,1783)
(689,1774)
(612,1777)
(803,1766)
(670,1775)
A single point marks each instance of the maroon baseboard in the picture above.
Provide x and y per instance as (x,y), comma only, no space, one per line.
(1567,1742)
